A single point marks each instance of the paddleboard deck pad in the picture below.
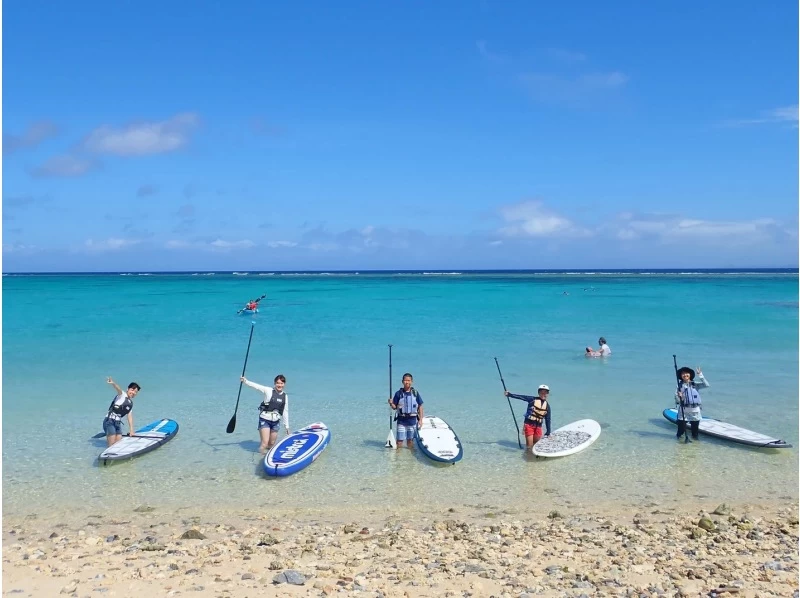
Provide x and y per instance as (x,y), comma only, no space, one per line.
(438,441)
(569,439)
(726,431)
(143,441)
(297,450)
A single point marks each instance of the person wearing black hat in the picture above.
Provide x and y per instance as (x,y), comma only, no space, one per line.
(687,398)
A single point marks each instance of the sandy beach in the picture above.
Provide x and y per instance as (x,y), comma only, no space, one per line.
(710,549)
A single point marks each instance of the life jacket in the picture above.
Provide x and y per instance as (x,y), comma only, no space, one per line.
(118,411)
(407,404)
(690,396)
(536,412)
(252,305)
(276,404)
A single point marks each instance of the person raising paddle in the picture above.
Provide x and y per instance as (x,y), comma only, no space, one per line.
(538,412)
(408,404)
(687,398)
(273,409)
(121,405)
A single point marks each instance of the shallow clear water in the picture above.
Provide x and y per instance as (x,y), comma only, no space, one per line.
(179,337)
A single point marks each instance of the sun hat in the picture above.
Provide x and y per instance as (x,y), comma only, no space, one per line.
(544,387)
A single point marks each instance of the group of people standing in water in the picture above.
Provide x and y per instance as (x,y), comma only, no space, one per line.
(408,406)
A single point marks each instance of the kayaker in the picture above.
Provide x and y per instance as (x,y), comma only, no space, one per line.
(407,402)
(252,304)
(273,409)
(121,405)
(538,412)
(687,399)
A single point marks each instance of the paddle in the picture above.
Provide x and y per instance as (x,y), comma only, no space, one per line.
(390,441)
(232,424)
(683,414)
(513,415)
(256,301)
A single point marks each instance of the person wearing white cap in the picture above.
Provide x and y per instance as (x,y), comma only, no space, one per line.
(538,413)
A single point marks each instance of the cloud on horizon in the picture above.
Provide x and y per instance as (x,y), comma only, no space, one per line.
(530,234)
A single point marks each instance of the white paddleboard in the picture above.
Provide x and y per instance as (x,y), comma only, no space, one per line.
(726,431)
(142,441)
(568,440)
(438,440)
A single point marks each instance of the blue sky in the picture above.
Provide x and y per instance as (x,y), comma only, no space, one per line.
(399,135)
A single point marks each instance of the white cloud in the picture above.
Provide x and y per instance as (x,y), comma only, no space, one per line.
(66,165)
(177,244)
(557,87)
(143,138)
(35,134)
(17,247)
(671,229)
(276,244)
(787,115)
(221,244)
(533,219)
(110,244)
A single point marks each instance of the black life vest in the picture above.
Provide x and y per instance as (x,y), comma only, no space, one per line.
(116,411)
(277,402)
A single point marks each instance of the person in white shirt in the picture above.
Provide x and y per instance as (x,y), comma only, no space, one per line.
(273,409)
(603,349)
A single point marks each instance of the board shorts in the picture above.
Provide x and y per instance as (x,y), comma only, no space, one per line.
(112,427)
(406,431)
(535,431)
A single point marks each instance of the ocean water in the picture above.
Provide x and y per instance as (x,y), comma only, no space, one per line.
(179,337)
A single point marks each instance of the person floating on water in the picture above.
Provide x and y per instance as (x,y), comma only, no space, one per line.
(538,412)
(687,399)
(407,402)
(273,409)
(121,405)
(603,350)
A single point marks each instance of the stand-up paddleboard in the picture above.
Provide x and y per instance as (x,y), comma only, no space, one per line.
(142,441)
(569,439)
(438,440)
(726,431)
(297,451)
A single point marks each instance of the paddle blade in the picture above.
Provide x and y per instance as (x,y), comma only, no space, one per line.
(231,425)
(390,441)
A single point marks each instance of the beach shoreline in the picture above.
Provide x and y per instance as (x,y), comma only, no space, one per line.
(658,548)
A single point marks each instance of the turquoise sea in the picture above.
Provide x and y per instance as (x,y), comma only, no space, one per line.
(179,337)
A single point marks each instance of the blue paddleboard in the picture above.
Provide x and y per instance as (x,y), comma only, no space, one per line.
(297,451)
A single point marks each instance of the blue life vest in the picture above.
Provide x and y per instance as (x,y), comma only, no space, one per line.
(689,395)
(407,405)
